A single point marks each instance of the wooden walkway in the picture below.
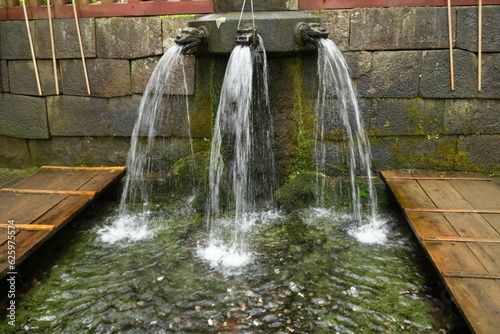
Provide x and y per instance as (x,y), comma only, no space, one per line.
(456,218)
(35,208)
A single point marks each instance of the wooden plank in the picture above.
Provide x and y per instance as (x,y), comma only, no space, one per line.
(103,180)
(453,256)
(121,168)
(429,224)
(445,210)
(488,254)
(396,174)
(472,225)
(32,227)
(54,179)
(426,175)
(410,194)
(142,8)
(462,274)
(450,175)
(494,221)
(43,203)
(26,243)
(486,195)
(479,301)
(444,195)
(61,192)
(462,239)
(459,230)
(64,211)
(442,178)
(26,208)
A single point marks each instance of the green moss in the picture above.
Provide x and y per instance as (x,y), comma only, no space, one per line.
(415,118)
(303,116)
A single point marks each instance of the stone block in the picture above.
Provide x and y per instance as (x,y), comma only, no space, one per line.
(337,24)
(467,28)
(65,38)
(23,77)
(393,74)
(14,153)
(480,153)
(107,77)
(414,152)
(333,126)
(399,28)
(128,37)
(490,76)
(23,116)
(80,151)
(4,77)
(397,117)
(14,43)
(172,26)
(123,113)
(141,70)
(78,116)
(435,78)
(359,63)
(472,116)
(144,67)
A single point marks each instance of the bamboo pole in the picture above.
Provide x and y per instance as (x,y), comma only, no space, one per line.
(479,45)
(52,46)
(450,38)
(32,48)
(81,48)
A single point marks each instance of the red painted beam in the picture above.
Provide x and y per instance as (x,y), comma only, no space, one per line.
(143,8)
(346,4)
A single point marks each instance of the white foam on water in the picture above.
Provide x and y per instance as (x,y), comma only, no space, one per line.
(126,228)
(224,258)
(374,232)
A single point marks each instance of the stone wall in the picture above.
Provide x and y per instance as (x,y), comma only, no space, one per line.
(400,64)
(397,56)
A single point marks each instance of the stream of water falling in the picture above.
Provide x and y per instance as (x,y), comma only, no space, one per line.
(242,139)
(336,86)
(154,112)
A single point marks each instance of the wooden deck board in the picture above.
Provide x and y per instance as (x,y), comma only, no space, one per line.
(455,217)
(55,195)
(55,179)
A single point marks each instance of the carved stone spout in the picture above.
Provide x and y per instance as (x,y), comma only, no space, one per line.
(244,36)
(191,37)
(310,33)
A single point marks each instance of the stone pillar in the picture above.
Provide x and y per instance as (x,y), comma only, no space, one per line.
(224,6)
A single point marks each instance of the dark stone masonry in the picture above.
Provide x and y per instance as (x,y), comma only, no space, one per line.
(398,59)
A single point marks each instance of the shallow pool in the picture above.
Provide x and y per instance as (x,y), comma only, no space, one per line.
(307,272)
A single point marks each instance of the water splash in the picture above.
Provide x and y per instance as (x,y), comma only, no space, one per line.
(335,83)
(130,227)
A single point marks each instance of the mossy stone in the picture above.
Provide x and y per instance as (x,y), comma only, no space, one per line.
(304,190)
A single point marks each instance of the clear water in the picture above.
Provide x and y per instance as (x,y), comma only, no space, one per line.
(335,84)
(306,274)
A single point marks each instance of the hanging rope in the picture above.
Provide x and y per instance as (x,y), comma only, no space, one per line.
(241,14)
